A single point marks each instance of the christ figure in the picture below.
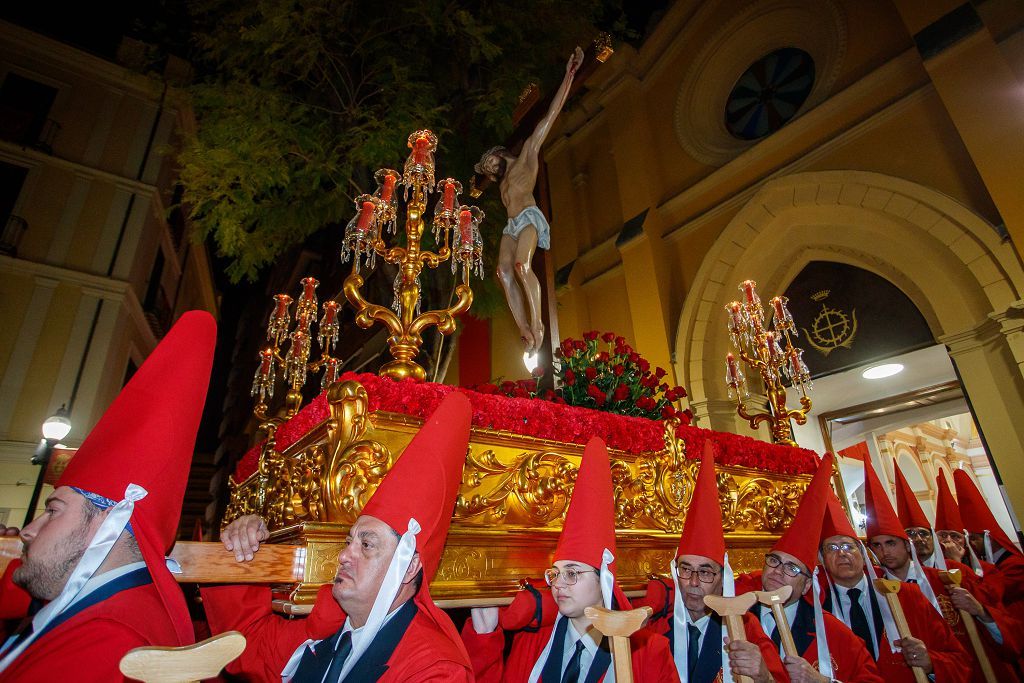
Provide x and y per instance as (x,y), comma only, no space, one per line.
(527,227)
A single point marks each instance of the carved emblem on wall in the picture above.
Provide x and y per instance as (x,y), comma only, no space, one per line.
(831,328)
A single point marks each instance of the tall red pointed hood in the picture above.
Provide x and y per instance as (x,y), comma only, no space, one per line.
(801,539)
(147,437)
(589,526)
(907,508)
(702,532)
(836,523)
(976,514)
(882,518)
(424,481)
(947,512)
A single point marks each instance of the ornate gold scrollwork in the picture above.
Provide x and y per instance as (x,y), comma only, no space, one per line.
(355,466)
(758,504)
(533,490)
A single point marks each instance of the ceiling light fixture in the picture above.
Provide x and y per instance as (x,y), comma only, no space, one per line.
(880,371)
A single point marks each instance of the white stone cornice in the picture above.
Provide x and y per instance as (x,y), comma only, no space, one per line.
(26,156)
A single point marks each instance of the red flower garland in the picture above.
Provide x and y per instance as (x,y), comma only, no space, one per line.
(545,420)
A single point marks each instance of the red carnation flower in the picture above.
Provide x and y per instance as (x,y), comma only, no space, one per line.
(608,337)
(590,372)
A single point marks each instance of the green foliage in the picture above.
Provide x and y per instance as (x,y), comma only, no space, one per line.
(301,100)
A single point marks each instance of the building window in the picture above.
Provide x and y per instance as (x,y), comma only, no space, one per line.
(25,110)
(769,93)
(12,227)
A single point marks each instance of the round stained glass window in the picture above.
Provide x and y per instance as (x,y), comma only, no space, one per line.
(769,93)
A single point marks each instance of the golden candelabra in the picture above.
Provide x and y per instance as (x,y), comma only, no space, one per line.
(295,362)
(761,348)
(453,224)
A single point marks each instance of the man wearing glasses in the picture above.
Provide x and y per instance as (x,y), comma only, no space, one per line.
(828,648)
(853,600)
(890,543)
(700,568)
(570,650)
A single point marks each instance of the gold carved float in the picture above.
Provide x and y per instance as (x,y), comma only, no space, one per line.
(507,517)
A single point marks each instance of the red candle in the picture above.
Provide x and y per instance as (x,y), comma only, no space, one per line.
(330,312)
(734,313)
(388,189)
(266,358)
(748,289)
(780,310)
(449,195)
(420,151)
(281,310)
(730,363)
(309,288)
(365,217)
(466,226)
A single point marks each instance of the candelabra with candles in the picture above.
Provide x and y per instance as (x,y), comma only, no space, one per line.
(456,230)
(294,363)
(769,351)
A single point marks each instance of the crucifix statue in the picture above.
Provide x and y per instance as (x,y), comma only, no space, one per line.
(527,227)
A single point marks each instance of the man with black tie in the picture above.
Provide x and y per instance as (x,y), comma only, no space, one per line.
(700,568)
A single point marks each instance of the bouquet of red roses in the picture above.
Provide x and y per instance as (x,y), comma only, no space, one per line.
(602,371)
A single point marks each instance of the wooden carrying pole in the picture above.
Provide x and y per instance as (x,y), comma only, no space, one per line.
(732,610)
(953,577)
(619,626)
(890,589)
(776,601)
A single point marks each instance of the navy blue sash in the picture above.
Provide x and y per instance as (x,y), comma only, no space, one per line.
(373,662)
(552,671)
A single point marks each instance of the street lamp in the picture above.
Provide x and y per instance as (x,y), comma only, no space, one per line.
(55,428)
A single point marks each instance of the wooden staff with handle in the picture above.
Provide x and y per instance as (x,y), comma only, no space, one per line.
(953,577)
(890,589)
(197,662)
(732,610)
(776,601)
(619,626)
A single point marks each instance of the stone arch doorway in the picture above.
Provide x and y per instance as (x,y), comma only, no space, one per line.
(949,261)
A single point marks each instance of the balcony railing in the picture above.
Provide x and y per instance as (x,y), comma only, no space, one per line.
(11,236)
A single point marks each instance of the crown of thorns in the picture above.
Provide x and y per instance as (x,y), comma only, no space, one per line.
(496,150)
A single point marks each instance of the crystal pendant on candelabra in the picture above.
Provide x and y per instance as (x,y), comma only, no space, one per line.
(295,360)
(734,379)
(263,382)
(387,199)
(277,326)
(362,233)
(327,332)
(446,211)
(739,335)
(753,314)
(775,356)
(419,167)
(468,245)
(306,308)
(798,371)
(396,288)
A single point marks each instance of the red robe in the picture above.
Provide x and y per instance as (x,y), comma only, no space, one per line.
(423,654)
(851,660)
(14,601)
(950,661)
(652,659)
(1001,656)
(1007,579)
(89,646)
